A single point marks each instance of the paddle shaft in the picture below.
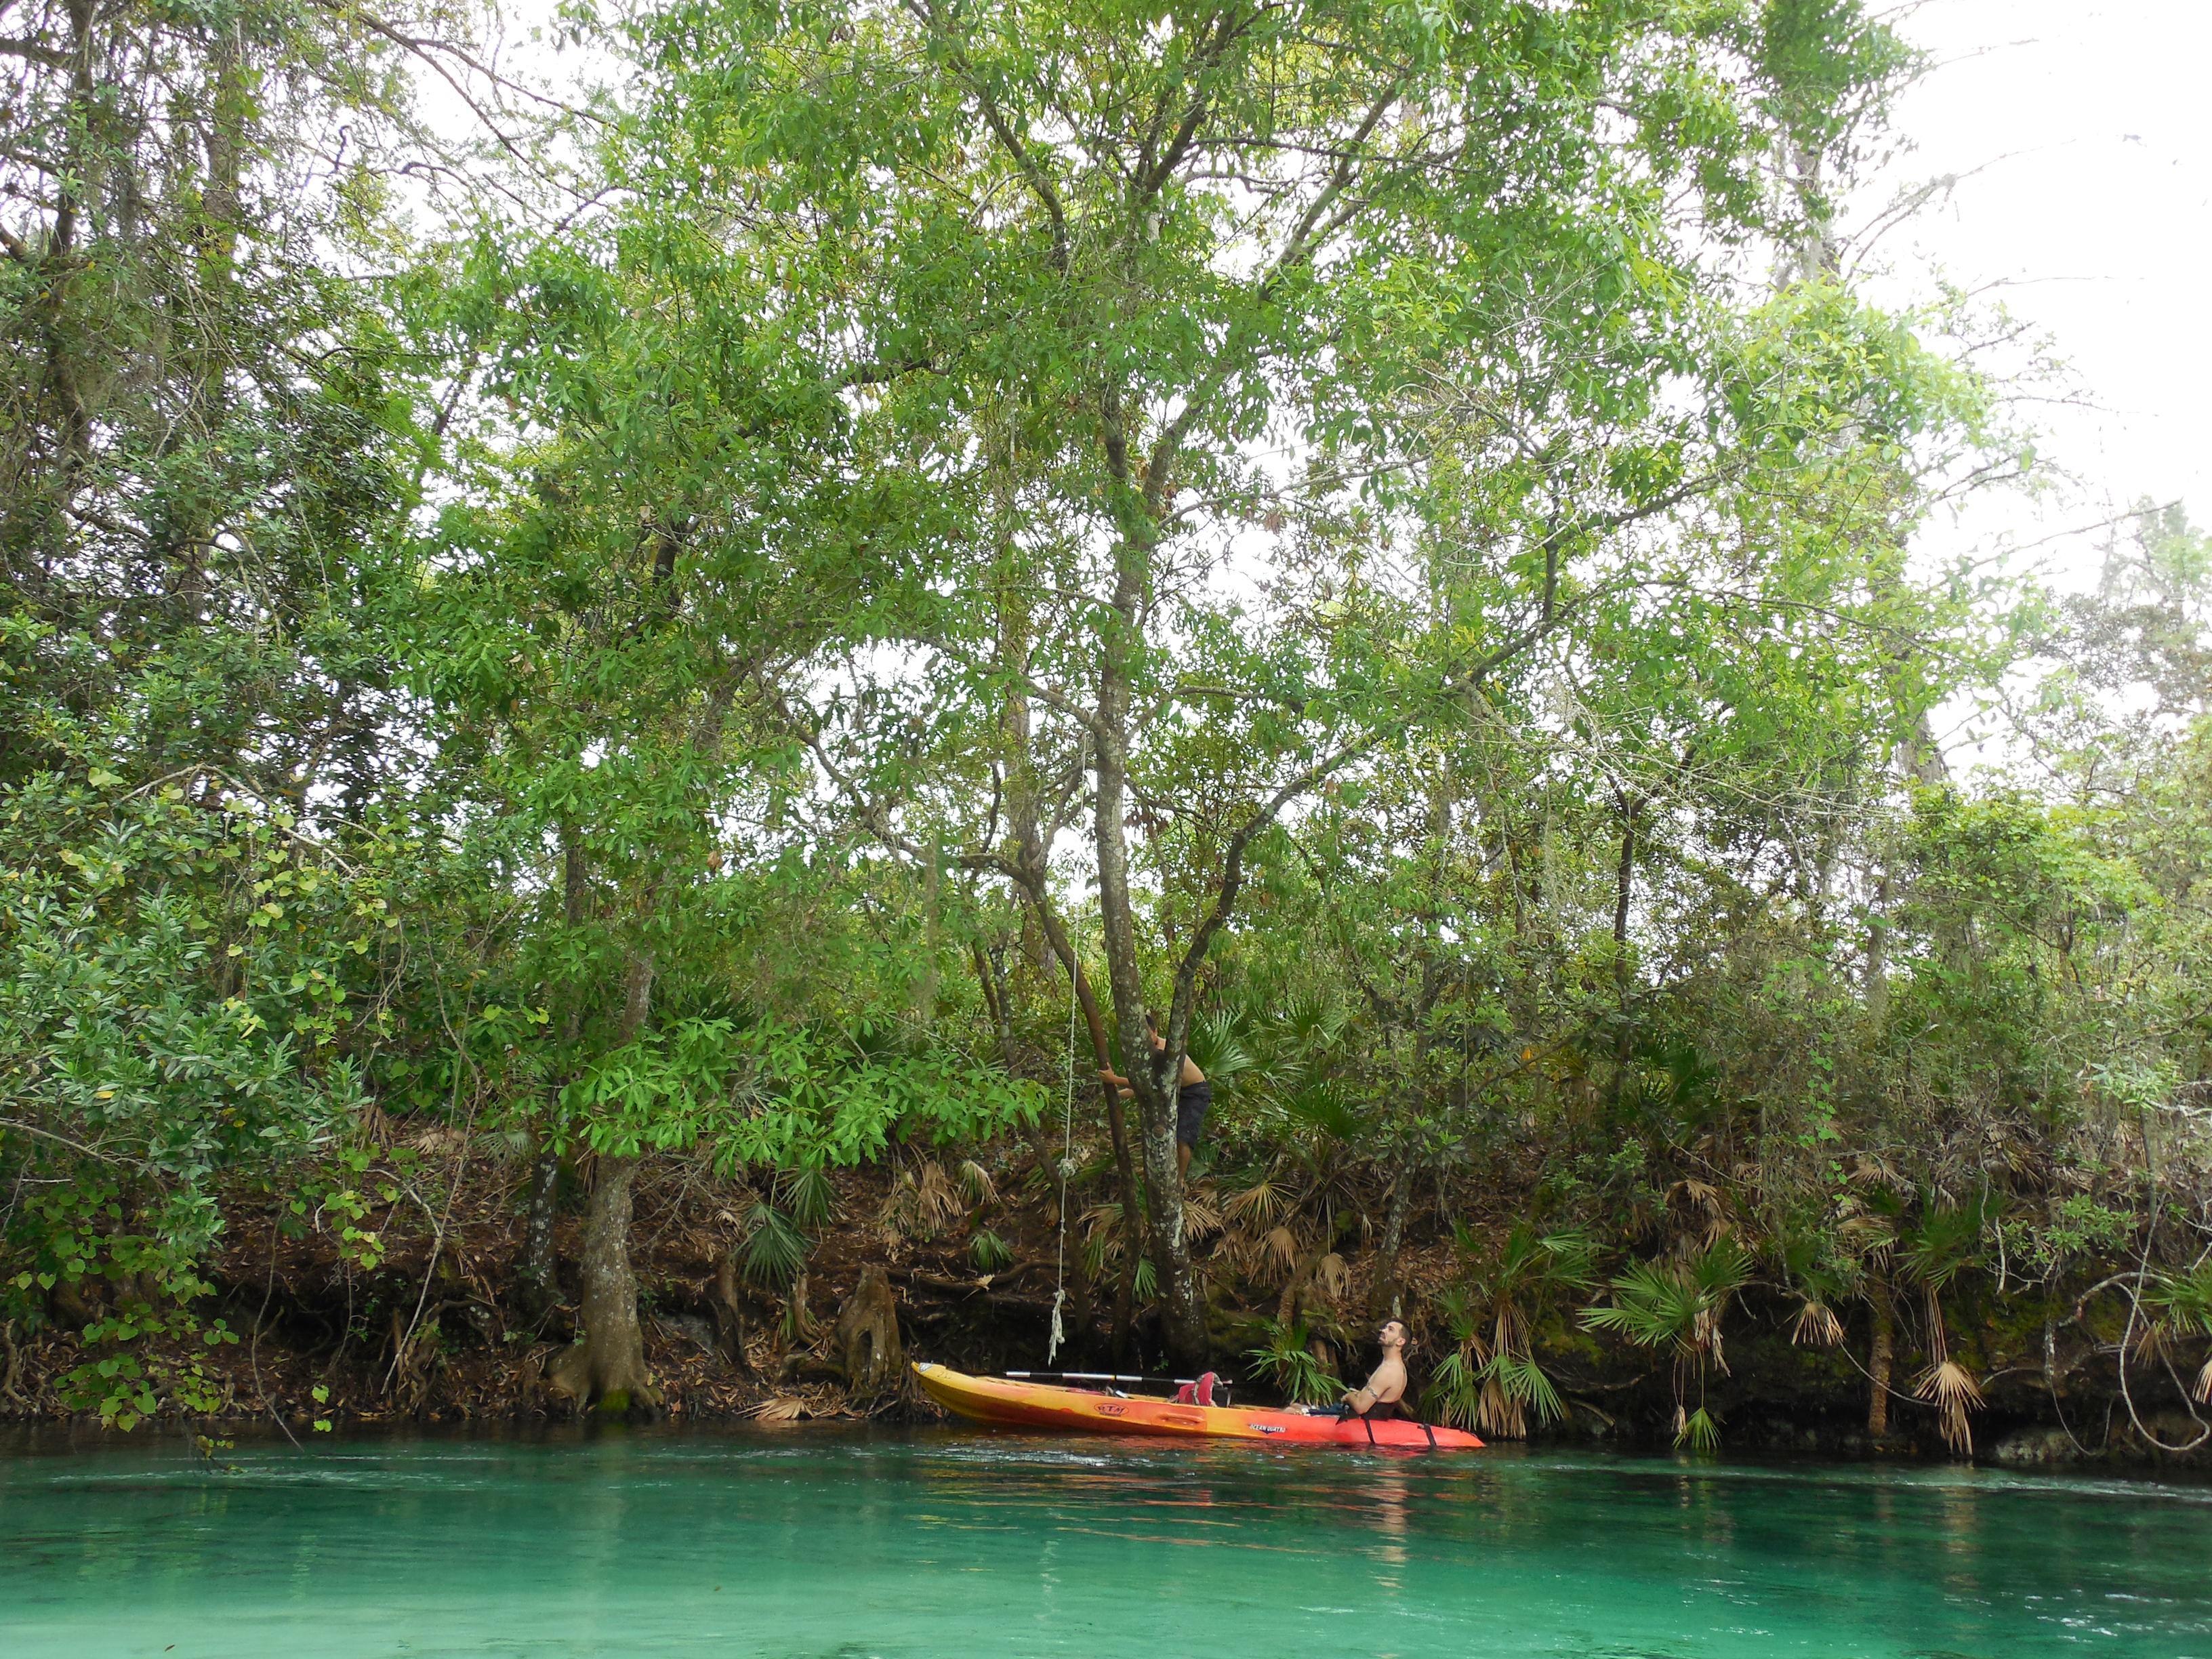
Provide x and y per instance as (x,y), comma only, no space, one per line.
(1097,1376)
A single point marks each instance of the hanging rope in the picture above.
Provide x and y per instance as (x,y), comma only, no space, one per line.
(1066,1168)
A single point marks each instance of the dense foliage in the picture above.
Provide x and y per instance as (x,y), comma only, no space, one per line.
(751,617)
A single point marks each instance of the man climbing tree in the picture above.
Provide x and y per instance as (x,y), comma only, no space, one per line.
(1193,1095)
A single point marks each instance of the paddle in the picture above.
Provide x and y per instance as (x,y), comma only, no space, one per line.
(1115,1376)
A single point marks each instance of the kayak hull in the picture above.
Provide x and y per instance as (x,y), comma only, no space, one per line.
(1008,1405)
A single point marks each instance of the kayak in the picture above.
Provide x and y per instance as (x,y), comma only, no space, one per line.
(1009,1404)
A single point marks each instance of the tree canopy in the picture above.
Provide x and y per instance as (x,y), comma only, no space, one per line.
(760,613)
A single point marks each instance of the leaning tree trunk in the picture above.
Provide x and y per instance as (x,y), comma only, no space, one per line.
(1291,1302)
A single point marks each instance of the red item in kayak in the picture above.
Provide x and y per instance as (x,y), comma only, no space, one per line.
(1004,1404)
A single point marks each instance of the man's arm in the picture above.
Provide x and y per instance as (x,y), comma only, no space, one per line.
(1363,1398)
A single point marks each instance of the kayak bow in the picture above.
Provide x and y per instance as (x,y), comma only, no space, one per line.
(1003,1404)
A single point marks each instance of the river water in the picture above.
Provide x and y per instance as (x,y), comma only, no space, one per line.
(804,1542)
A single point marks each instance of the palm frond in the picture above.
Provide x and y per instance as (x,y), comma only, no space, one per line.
(1286,1360)
(1720,1268)
(1097,1248)
(1573,1260)
(2184,1300)
(1950,1387)
(1816,1325)
(936,1201)
(1455,1392)
(1322,1106)
(923,1201)
(1201,1218)
(773,1249)
(1946,1241)
(1263,1204)
(1216,1043)
(1653,1305)
(1457,1313)
(808,1194)
(1678,1304)
(1514,1385)
(975,1182)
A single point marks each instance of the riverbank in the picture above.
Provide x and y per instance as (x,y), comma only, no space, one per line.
(432,1326)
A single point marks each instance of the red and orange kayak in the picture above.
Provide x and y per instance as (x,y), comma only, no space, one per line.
(1004,1404)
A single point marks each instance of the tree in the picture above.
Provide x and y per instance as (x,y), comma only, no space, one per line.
(654,547)
(1118,258)
(201,474)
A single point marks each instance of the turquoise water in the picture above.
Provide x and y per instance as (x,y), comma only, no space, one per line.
(806,1543)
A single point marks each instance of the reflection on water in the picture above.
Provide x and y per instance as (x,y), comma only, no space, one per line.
(805,1542)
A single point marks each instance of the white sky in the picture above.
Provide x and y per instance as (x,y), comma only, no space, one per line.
(2081,131)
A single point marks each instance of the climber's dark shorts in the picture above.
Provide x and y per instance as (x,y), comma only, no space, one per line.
(1190,1112)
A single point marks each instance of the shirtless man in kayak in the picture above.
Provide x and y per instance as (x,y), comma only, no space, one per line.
(1385,1390)
(1194,1094)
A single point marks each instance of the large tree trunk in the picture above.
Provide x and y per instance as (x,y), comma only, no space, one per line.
(213,232)
(1185,1331)
(1624,878)
(1623,895)
(991,979)
(1152,1076)
(1393,1235)
(729,1310)
(1877,955)
(536,1288)
(1882,1357)
(537,1274)
(604,1372)
(1133,1230)
(1291,1302)
(1030,864)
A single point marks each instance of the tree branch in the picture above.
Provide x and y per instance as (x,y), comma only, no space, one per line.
(1017,150)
